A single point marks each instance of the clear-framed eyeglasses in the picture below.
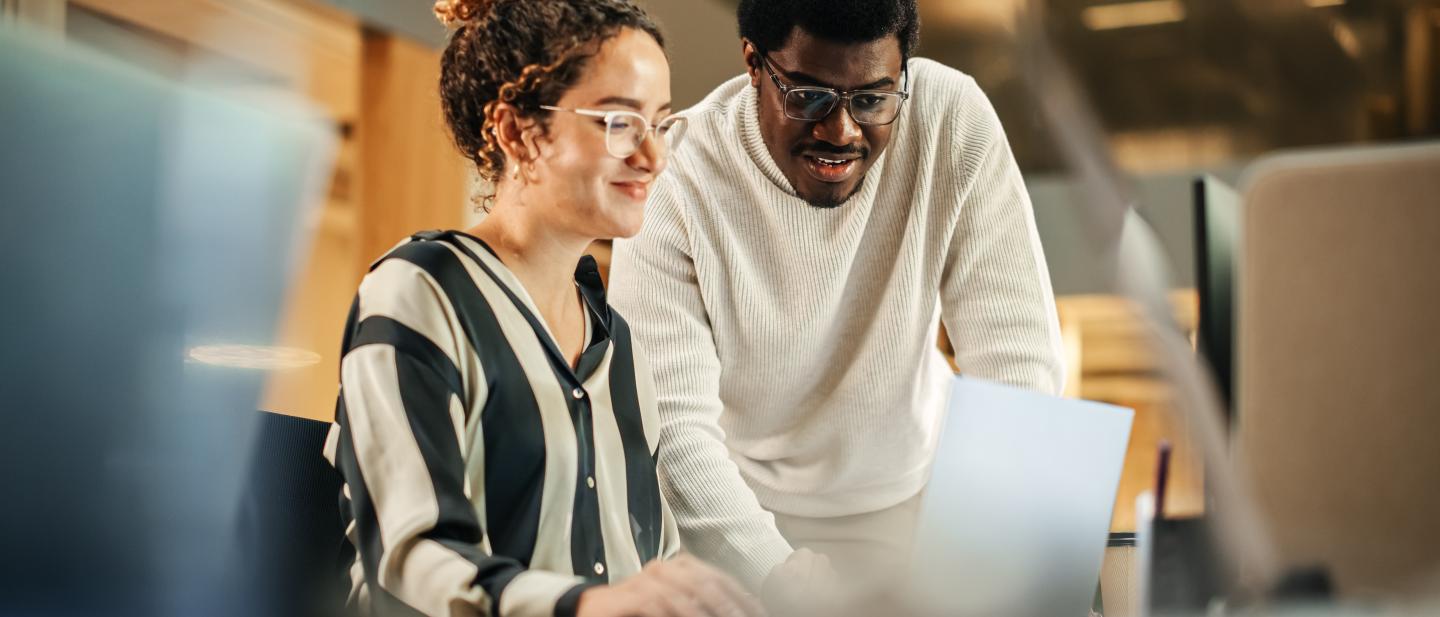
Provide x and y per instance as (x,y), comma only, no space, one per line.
(814,103)
(626,130)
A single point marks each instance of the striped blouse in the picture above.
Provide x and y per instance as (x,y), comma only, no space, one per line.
(483,475)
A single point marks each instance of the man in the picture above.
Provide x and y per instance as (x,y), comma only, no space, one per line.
(829,207)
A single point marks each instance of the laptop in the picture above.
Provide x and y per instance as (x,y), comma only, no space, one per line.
(1016,515)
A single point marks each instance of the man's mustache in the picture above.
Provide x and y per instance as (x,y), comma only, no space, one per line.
(824,148)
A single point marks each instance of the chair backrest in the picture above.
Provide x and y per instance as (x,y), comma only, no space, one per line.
(1338,419)
(292,550)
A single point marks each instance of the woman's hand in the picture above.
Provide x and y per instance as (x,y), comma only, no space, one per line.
(680,587)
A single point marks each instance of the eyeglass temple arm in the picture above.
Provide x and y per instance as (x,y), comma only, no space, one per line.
(584,112)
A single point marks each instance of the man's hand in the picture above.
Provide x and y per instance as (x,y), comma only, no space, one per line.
(803,584)
(680,587)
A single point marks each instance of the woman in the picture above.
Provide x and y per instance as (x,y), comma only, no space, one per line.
(496,428)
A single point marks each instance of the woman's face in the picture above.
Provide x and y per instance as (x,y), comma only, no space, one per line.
(585,190)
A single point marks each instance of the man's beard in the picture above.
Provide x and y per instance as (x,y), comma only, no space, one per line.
(831,201)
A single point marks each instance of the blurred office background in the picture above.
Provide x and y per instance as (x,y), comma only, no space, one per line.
(1181,88)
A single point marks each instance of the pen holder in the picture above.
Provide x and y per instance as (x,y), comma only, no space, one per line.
(1119,592)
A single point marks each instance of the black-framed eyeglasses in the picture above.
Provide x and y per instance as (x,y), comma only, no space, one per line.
(814,103)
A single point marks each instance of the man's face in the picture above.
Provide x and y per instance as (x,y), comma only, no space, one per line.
(825,160)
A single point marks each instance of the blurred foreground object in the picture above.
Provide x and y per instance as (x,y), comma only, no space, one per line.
(1114,228)
(142,219)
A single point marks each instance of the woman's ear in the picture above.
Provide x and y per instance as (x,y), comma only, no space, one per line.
(519,137)
(510,127)
(531,139)
(530,146)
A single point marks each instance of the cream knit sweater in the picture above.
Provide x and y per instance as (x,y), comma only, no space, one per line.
(794,347)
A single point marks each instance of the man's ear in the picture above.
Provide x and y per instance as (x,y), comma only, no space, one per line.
(751,55)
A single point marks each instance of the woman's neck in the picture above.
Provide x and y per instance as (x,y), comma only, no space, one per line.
(542,259)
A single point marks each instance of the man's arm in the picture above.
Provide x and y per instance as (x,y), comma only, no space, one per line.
(653,283)
(996,299)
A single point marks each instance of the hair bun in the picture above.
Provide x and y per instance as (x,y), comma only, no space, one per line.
(454,13)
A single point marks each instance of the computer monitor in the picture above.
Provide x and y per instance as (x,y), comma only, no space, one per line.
(1217,219)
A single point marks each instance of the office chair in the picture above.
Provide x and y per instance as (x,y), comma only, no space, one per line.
(292,551)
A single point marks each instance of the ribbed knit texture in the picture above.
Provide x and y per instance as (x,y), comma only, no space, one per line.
(794,347)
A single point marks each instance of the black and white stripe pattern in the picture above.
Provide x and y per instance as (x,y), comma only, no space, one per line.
(482,474)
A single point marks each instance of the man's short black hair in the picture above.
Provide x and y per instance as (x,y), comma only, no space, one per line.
(768,23)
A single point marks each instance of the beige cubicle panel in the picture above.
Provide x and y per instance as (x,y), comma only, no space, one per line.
(1339,360)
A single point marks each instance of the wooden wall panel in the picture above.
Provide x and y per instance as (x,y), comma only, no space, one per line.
(312,48)
(314,318)
(414,177)
(405,176)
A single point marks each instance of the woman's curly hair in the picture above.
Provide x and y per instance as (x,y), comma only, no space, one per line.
(523,52)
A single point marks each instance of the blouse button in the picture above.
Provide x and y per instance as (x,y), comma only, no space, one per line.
(590,481)
(577,393)
(599,568)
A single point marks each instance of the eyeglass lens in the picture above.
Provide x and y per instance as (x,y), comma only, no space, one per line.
(866,107)
(624,133)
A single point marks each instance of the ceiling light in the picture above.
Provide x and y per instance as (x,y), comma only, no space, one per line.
(1132,14)
(1317,4)
(1346,38)
(973,14)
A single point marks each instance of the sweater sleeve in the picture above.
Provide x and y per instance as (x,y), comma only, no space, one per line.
(653,279)
(996,299)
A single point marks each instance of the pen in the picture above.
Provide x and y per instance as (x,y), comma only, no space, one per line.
(1162,472)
